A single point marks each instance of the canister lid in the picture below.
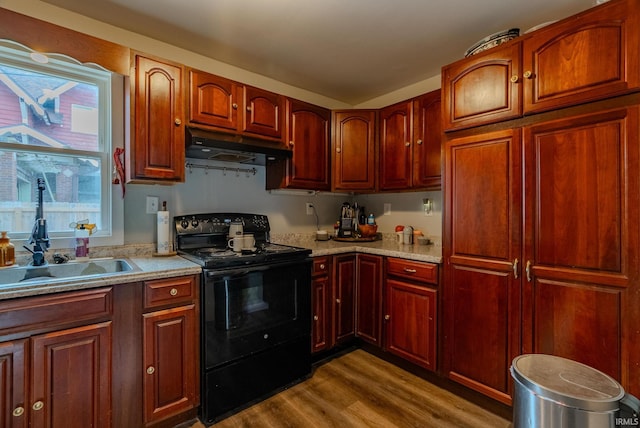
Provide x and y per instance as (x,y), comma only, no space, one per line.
(568,382)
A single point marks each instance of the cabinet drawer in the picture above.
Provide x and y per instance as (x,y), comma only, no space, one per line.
(321,266)
(417,271)
(169,291)
(52,311)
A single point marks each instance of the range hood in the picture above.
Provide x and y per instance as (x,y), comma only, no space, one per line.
(205,144)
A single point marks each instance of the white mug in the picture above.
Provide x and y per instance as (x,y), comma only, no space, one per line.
(248,242)
(236,243)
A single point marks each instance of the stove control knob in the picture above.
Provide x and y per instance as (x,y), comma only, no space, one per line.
(194,222)
(184,224)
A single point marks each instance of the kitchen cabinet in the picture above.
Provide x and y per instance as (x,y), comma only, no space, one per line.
(156,150)
(321,308)
(343,298)
(410,144)
(170,348)
(229,106)
(307,133)
(369,298)
(353,154)
(583,58)
(411,311)
(55,360)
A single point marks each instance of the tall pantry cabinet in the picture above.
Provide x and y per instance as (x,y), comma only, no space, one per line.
(542,205)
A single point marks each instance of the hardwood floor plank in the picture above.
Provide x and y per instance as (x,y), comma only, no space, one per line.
(359,390)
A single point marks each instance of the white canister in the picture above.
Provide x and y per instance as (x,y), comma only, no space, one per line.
(399,237)
(407,235)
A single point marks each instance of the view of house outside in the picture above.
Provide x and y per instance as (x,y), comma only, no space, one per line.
(49,129)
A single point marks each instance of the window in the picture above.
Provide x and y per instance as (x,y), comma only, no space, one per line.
(55,124)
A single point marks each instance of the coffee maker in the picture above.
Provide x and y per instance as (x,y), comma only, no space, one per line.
(350,217)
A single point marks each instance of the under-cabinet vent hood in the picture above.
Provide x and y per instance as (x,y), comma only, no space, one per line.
(205,144)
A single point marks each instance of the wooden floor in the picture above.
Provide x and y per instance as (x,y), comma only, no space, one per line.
(360,390)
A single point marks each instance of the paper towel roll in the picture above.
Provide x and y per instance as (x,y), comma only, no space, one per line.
(163,232)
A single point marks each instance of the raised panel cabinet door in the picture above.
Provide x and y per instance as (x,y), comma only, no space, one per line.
(213,100)
(343,298)
(321,317)
(354,150)
(483,88)
(369,298)
(14,387)
(591,56)
(411,319)
(308,131)
(71,378)
(396,133)
(158,147)
(170,355)
(427,141)
(263,113)
(482,271)
(582,204)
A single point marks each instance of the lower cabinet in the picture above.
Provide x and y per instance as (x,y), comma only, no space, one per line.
(411,311)
(321,304)
(369,298)
(54,370)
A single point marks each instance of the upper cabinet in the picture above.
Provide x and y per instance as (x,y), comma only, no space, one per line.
(410,141)
(156,150)
(584,58)
(233,107)
(353,151)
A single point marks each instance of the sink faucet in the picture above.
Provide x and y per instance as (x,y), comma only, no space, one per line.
(39,237)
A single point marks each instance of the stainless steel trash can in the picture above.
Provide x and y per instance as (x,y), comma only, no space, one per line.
(554,392)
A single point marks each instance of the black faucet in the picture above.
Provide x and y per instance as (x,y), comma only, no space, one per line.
(39,237)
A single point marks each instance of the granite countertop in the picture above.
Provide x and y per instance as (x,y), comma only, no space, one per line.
(147,267)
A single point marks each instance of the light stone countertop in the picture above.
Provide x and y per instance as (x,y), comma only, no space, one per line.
(147,267)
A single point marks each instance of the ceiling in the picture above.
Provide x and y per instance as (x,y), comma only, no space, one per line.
(347,50)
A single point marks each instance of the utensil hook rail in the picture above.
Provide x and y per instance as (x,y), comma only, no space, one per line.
(224,169)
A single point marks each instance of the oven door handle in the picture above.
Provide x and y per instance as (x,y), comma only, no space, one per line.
(238,272)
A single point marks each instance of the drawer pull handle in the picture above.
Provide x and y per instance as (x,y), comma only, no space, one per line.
(151,370)
(515,268)
(527,269)
(173,292)
(407,270)
(18,411)
(38,405)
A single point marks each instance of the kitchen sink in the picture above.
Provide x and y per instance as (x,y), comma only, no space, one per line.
(65,271)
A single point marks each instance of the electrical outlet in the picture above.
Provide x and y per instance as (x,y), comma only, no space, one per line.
(152,204)
(309,207)
(387,209)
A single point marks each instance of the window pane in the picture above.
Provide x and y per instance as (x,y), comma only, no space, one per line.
(73,190)
(50,111)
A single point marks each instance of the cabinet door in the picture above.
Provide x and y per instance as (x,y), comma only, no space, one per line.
(427,141)
(483,242)
(320,329)
(71,378)
(213,101)
(343,300)
(411,322)
(263,113)
(369,298)
(582,204)
(14,384)
(396,127)
(483,88)
(308,136)
(354,150)
(591,56)
(170,355)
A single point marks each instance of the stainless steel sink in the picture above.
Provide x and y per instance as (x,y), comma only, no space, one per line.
(65,271)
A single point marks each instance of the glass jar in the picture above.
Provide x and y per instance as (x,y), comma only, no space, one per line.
(7,251)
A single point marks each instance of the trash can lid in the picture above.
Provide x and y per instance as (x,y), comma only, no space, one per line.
(568,382)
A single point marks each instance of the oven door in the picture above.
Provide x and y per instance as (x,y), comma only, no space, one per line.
(253,308)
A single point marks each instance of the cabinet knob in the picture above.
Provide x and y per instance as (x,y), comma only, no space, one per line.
(18,411)
(338,150)
(178,122)
(338,301)
(514,79)
(407,144)
(248,108)
(315,318)
(151,370)
(407,270)
(322,266)
(38,405)
(173,292)
(291,144)
(387,317)
(235,106)
(528,74)
(419,142)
